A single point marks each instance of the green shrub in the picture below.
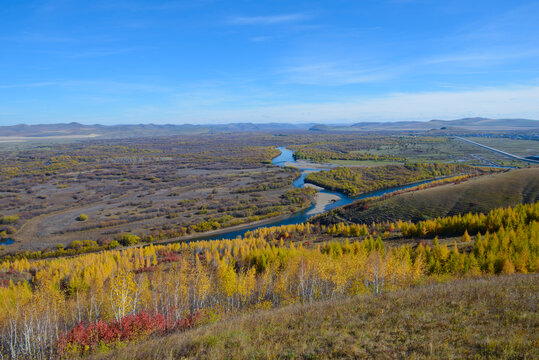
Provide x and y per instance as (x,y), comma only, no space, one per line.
(113,244)
(11,230)
(129,239)
(82,217)
(77,244)
(9,219)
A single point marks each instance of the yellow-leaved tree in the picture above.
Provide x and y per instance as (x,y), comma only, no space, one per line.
(123,290)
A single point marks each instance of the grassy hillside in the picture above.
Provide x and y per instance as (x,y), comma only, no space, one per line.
(480,194)
(494,317)
(100,302)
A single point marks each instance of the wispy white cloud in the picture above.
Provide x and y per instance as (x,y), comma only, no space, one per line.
(39,38)
(110,86)
(334,74)
(28,85)
(107,86)
(102,52)
(488,56)
(344,72)
(520,19)
(267,20)
(260,38)
(217,107)
(509,102)
(152,6)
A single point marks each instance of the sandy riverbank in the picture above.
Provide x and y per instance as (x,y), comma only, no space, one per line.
(321,200)
(302,164)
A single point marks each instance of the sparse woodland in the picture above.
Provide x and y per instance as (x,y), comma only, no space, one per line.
(354,181)
(92,303)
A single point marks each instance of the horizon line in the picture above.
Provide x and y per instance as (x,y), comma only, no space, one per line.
(262,123)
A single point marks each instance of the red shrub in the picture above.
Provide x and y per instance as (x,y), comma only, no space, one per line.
(145,269)
(89,338)
(169,257)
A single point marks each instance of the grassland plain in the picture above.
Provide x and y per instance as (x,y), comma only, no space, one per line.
(127,186)
(493,317)
(159,187)
(480,194)
(373,150)
(513,146)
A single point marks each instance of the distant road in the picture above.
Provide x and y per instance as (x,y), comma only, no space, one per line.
(512,156)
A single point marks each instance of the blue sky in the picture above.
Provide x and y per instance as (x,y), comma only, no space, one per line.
(206,61)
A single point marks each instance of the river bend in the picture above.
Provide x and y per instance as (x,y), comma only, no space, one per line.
(286,158)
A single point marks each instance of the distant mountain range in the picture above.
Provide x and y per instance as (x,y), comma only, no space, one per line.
(474,124)
(433,126)
(76,129)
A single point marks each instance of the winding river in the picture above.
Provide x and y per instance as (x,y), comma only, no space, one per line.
(7,241)
(337,199)
(285,159)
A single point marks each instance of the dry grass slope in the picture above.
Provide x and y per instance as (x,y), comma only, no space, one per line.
(494,317)
(480,194)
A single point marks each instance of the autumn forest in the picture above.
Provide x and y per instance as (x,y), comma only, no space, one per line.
(108,247)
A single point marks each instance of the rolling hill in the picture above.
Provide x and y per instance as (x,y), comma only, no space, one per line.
(481,318)
(480,194)
(466,124)
(138,130)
